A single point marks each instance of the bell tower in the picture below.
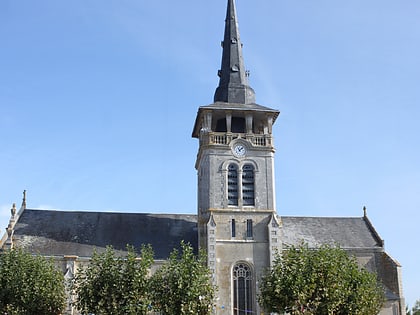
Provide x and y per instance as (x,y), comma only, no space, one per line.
(237,220)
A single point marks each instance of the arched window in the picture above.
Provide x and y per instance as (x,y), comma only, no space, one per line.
(242,290)
(232,185)
(248,191)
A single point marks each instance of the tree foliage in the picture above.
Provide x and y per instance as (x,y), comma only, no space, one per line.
(114,285)
(30,285)
(183,285)
(416,308)
(324,281)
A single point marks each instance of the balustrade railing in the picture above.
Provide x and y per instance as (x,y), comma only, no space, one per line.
(222,138)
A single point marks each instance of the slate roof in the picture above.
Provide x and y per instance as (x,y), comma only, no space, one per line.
(79,233)
(51,233)
(349,233)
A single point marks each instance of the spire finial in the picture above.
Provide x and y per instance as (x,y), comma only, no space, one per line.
(364,211)
(233,85)
(24,200)
(13,210)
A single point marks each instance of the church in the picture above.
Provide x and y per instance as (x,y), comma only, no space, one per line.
(236,222)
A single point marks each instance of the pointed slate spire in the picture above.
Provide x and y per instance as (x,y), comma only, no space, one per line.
(233,85)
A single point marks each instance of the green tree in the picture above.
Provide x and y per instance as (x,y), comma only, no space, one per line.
(183,285)
(115,285)
(30,285)
(416,308)
(407,310)
(324,281)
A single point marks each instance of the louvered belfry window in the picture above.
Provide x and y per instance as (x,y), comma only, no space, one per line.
(248,189)
(233,185)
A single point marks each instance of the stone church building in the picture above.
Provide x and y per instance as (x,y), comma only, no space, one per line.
(236,221)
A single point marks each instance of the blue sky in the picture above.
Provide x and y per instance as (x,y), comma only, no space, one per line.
(98,100)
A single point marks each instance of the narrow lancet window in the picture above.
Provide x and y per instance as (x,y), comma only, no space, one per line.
(233,185)
(248,189)
(249,232)
(233,228)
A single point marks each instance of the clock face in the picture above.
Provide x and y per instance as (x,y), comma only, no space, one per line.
(239,150)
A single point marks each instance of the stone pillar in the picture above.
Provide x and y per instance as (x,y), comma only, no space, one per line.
(207,121)
(248,120)
(70,272)
(229,122)
(274,238)
(270,124)
(211,250)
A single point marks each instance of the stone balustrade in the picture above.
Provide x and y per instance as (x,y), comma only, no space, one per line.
(225,138)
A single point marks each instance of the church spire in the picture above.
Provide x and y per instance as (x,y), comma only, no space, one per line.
(233,85)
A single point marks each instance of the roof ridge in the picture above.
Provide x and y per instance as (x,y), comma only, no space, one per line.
(110,212)
(320,217)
